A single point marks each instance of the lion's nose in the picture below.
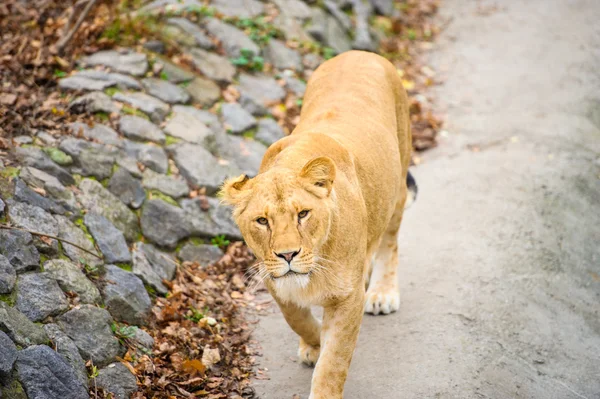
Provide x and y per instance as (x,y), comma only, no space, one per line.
(288,256)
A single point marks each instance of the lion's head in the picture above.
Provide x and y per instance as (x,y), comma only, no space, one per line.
(285,217)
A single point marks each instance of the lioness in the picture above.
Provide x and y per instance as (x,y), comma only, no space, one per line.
(322,216)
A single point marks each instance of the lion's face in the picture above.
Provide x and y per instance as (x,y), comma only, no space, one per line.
(285,217)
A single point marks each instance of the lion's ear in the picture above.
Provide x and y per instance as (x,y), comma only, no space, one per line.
(234,189)
(320,174)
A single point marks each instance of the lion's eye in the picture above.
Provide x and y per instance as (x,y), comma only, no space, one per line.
(303,214)
(262,221)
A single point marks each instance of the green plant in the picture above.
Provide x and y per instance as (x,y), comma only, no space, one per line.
(94,372)
(257,29)
(110,91)
(164,76)
(169,140)
(195,315)
(123,332)
(328,53)
(249,60)
(220,241)
(59,74)
(127,109)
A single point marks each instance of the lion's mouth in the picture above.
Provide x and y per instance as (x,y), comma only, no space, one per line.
(290,273)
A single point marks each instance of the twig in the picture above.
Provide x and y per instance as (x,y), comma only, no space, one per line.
(37,233)
(67,38)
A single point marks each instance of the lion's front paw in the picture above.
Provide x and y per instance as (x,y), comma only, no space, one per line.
(384,301)
(308,354)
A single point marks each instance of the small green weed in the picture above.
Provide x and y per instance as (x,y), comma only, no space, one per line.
(195,315)
(59,74)
(94,372)
(220,241)
(248,60)
(164,76)
(257,29)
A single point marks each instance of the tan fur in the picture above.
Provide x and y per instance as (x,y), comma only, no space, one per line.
(346,162)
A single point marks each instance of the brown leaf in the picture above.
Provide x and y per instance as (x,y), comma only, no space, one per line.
(193,367)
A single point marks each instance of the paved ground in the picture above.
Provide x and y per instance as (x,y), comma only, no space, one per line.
(500,266)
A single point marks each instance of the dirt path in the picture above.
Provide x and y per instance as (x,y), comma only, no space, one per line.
(500,265)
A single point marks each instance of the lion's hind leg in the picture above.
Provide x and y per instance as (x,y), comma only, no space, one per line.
(383,293)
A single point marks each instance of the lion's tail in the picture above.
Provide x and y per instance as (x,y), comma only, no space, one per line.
(411,184)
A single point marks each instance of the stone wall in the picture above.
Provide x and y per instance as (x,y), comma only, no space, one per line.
(131,189)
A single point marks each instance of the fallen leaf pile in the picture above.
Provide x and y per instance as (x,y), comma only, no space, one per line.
(30,63)
(201,339)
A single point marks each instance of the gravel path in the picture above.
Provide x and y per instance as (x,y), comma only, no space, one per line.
(500,265)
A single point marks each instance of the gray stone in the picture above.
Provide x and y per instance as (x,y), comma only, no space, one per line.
(342,18)
(20,140)
(143,339)
(203,254)
(153,107)
(156,46)
(173,186)
(89,327)
(232,39)
(95,101)
(8,355)
(127,62)
(19,328)
(153,266)
(32,156)
(99,132)
(8,276)
(268,131)
(109,239)
(203,91)
(260,89)
(149,155)
(383,7)
(238,8)
(39,296)
(294,8)
(82,83)
(291,27)
(201,168)
(137,128)
(164,224)
(362,34)
(130,165)
(45,138)
(160,6)
(17,246)
(336,36)
(70,232)
(90,159)
(96,198)
(190,28)
(123,81)
(70,278)
(215,221)
(237,120)
(28,196)
(166,91)
(318,25)
(297,86)
(188,127)
(213,66)
(172,33)
(36,219)
(253,106)
(174,73)
(281,56)
(68,350)
(45,374)
(208,118)
(54,188)
(125,296)
(246,153)
(118,380)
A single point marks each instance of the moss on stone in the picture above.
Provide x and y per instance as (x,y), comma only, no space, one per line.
(155,194)
(10,172)
(9,299)
(79,222)
(58,156)
(124,266)
(129,110)
(170,140)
